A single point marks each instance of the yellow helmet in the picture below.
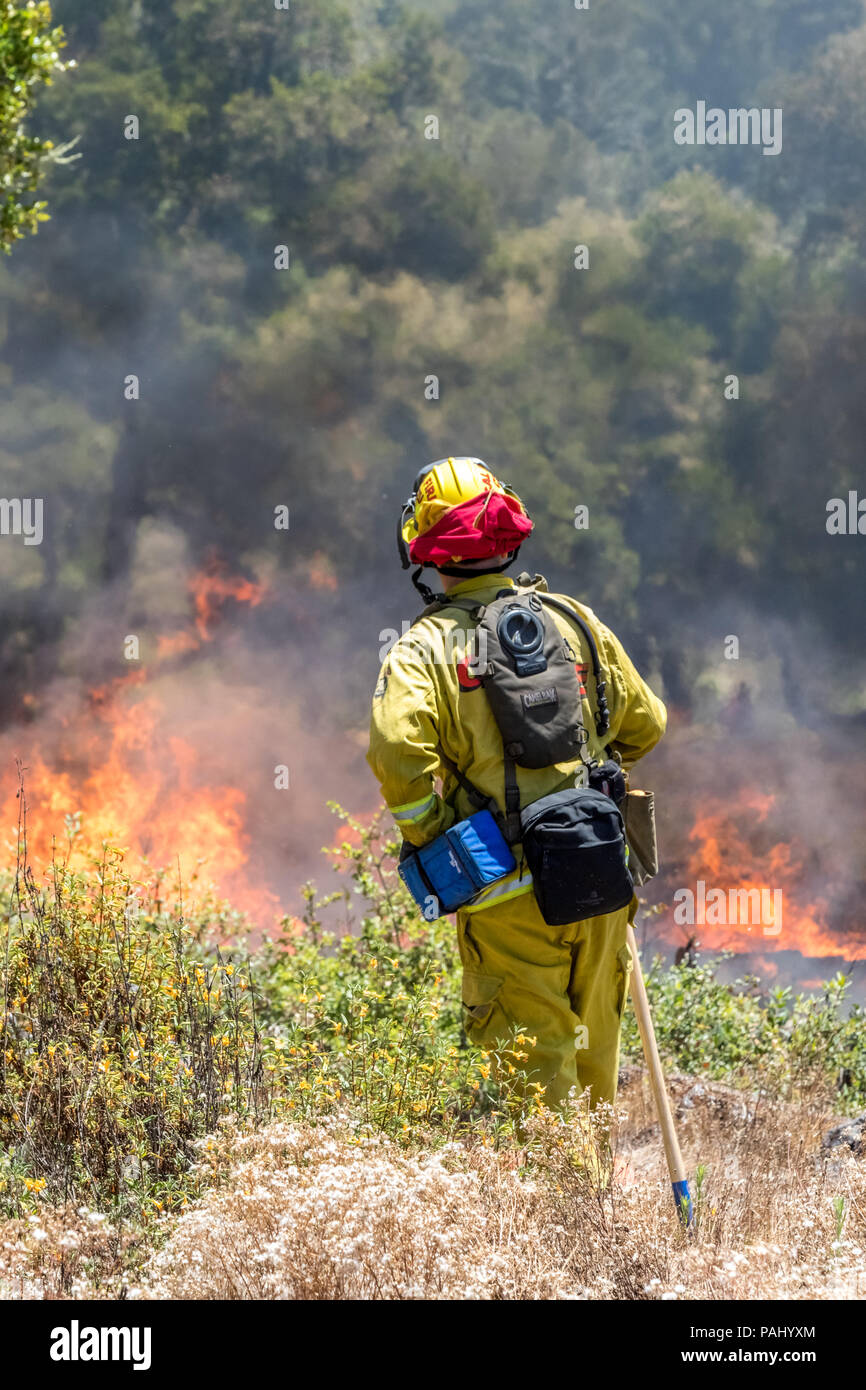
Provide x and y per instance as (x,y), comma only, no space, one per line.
(459,512)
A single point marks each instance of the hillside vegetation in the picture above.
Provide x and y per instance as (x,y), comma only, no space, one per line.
(306,1119)
(453,257)
(263,286)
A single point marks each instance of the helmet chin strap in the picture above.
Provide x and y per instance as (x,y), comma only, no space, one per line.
(424,589)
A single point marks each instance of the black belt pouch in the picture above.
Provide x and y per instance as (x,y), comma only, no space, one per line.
(574,844)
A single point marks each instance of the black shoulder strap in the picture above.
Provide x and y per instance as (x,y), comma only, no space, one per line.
(602,714)
(512,802)
(478,799)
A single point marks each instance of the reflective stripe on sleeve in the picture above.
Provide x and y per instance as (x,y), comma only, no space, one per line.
(414,810)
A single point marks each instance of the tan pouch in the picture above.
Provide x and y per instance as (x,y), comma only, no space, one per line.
(639,814)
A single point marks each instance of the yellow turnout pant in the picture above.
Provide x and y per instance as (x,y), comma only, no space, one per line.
(565,987)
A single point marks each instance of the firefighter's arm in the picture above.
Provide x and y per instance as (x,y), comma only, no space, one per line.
(637,716)
(403,748)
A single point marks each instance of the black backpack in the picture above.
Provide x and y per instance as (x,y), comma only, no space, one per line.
(573,840)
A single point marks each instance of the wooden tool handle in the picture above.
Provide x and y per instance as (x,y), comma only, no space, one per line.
(653,1061)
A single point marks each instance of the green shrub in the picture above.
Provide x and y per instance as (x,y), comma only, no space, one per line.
(127,1033)
(29,59)
(741,1033)
(122,1041)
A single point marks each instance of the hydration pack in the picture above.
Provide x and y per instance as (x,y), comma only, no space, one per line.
(573,840)
(529,678)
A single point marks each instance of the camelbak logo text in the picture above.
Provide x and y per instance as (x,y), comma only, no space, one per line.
(547,696)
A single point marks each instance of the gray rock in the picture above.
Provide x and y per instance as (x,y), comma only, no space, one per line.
(851,1134)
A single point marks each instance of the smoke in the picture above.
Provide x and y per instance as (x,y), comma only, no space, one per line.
(759,786)
(258,648)
(217,745)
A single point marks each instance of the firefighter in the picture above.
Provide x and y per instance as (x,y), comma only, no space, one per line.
(564,987)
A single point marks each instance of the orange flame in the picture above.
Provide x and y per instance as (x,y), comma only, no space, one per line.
(320,572)
(117,760)
(211,587)
(734,848)
(176,643)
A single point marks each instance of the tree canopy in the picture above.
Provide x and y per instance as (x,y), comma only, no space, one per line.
(412,258)
(29,58)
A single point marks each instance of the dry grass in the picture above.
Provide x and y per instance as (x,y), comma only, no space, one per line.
(62,1253)
(778,1216)
(298,1212)
(310,1214)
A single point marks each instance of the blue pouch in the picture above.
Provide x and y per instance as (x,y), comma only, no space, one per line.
(448,872)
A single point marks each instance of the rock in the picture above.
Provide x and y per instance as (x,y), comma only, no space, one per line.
(629,1076)
(696,1092)
(851,1134)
